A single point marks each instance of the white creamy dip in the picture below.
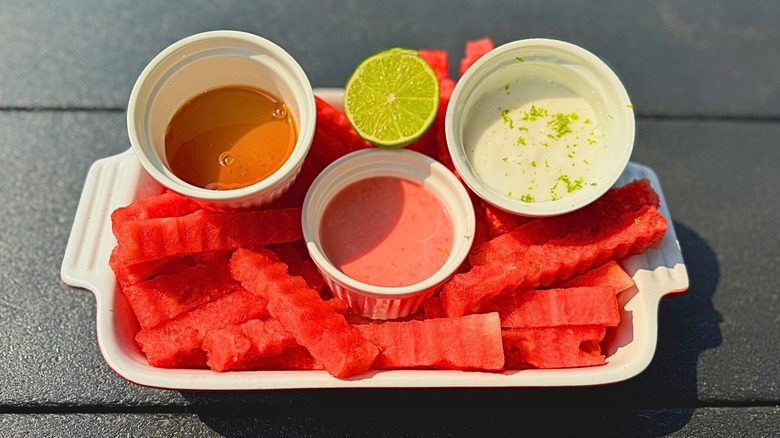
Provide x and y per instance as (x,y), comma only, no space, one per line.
(536,133)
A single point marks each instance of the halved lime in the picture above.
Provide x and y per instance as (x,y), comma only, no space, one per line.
(392,97)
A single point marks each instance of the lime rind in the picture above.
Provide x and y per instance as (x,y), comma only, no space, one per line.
(392,98)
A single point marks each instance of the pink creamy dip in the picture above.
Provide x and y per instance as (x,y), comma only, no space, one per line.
(386,231)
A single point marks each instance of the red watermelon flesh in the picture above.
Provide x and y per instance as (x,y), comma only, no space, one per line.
(557,307)
(334,124)
(328,146)
(167,204)
(153,239)
(610,274)
(334,137)
(428,144)
(220,255)
(499,221)
(242,346)
(602,212)
(446,87)
(471,342)
(295,358)
(432,308)
(293,197)
(268,337)
(339,305)
(481,230)
(438,60)
(553,347)
(176,343)
(167,296)
(474,50)
(299,266)
(340,348)
(534,266)
(129,274)
(226,348)
(434,142)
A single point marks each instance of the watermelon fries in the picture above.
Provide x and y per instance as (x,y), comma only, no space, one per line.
(238,291)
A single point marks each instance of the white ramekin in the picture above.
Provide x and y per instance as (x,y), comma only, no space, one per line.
(205,61)
(380,302)
(583,70)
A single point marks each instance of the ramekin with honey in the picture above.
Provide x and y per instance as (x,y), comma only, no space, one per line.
(223,117)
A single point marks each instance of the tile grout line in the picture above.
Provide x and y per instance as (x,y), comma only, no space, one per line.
(750,118)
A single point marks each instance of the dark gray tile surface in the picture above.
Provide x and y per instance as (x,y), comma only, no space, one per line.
(703,77)
(715,58)
(702,422)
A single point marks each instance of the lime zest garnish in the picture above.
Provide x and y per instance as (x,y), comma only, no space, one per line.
(507,120)
(534,113)
(560,123)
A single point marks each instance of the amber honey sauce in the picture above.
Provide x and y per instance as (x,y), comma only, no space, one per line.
(230,137)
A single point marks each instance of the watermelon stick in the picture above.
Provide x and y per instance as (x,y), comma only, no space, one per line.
(470,342)
(557,307)
(167,204)
(610,274)
(167,296)
(151,239)
(249,346)
(553,347)
(314,323)
(498,221)
(535,266)
(177,343)
(605,210)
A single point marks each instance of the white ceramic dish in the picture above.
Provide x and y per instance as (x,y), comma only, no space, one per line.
(116,181)
(369,300)
(207,61)
(548,71)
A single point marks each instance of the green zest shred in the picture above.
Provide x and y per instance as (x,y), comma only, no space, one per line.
(534,114)
(571,186)
(507,119)
(560,123)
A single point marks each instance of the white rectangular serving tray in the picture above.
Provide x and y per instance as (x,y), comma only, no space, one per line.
(119,180)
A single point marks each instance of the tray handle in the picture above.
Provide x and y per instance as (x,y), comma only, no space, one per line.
(85,263)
